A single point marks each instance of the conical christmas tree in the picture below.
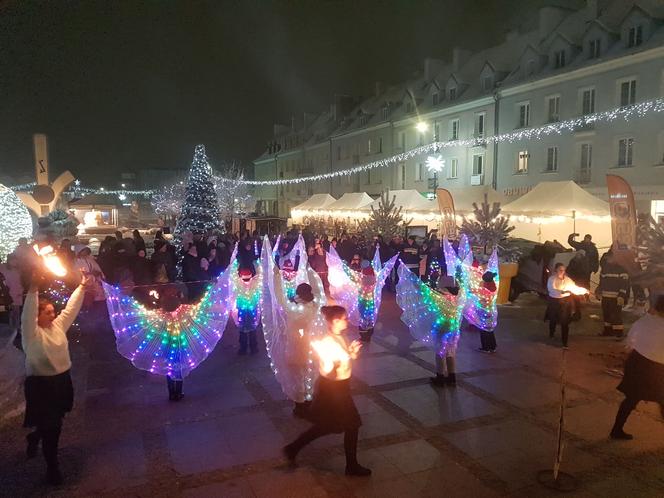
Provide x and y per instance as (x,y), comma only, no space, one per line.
(387,220)
(200,210)
(489,229)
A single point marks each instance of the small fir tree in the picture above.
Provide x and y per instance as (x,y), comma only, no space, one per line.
(387,220)
(200,209)
(489,229)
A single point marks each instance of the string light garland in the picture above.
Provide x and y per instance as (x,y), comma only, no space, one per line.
(359,292)
(635,111)
(15,222)
(168,343)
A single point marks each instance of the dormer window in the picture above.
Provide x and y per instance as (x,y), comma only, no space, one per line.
(559,59)
(635,36)
(385,112)
(531,65)
(453,93)
(409,107)
(594,48)
(435,98)
(364,119)
(487,83)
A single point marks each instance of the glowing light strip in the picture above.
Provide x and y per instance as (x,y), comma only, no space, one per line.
(570,125)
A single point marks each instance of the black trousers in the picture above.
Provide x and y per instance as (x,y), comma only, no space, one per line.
(315,431)
(487,340)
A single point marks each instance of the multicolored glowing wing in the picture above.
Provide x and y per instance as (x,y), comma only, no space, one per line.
(168,343)
(381,277)
(481,309)
(432,318)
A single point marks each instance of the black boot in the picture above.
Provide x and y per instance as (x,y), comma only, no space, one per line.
(438,380)
(33,444)
(50,438)
(350,448)
(174,389)
(624,411)
(253,342)
(243,343)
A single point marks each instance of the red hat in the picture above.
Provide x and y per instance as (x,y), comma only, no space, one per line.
(368,271)
(245,273)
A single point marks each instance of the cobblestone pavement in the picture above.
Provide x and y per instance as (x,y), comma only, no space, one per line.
(487,437)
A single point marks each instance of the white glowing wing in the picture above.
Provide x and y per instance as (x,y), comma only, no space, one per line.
(432,318)
(344,285)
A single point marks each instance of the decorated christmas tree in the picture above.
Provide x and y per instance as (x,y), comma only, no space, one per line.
(487,228)
(200,209)
(387,220)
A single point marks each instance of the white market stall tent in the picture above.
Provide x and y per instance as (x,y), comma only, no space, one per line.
(464,198)
(310,207)
(553,210)
(413,205)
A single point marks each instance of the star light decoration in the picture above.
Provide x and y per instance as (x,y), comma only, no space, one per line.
(15,221)
(284,324)
(168,343)
(435,164)
(358,292)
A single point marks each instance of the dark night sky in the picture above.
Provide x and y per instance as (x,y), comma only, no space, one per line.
(123,85)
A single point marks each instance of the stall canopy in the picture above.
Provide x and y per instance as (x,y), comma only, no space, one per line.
(557,199)
(408,200)
(316,201)
(464,197)
(553,210)
(351,202)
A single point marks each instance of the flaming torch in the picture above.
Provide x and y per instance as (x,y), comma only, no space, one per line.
(329,352)
(51,260)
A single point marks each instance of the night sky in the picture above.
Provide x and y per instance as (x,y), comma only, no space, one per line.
(122,85)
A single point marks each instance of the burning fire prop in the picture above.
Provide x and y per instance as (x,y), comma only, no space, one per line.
(51,260)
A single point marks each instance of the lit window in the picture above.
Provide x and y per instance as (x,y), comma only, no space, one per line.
(522,162)
(454,129)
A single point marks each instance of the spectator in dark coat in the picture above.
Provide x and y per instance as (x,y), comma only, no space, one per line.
(589,248)
(139,243)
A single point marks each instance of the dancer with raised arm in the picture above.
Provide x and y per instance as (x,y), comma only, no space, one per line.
(333,410)
(359,291)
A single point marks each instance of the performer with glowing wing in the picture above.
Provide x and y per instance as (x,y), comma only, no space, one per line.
(481,309)
(359,292)
(174,339)
(293,266)
(246,289)
(434,316)
(288,326)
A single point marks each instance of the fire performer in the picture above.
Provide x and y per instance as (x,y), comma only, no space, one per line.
(333,410)
(49,393)
(561,301)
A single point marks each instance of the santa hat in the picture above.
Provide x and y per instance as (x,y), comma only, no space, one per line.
(245,273)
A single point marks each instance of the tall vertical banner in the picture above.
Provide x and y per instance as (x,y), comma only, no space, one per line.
(623,212)
(446,206)
(41,158)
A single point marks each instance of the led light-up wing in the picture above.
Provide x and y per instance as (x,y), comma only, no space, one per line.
(168,343)
(432,318)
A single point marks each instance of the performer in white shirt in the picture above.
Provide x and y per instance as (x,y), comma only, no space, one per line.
(49,392)
(561,290)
